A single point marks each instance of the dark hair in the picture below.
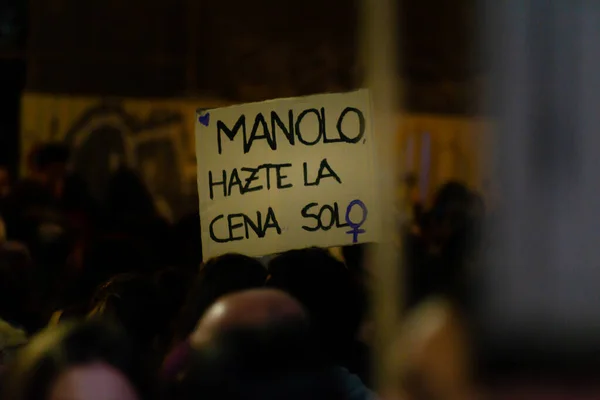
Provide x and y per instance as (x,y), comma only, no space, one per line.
(219,276)
(451,201)
(55,350)
(104,258)
(327,290)
(187,239)
(133,302)
(17,286)
(354,257)
(128,195)
(51,153)
(267,362)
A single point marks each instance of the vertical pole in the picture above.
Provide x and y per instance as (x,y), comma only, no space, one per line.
(379,54)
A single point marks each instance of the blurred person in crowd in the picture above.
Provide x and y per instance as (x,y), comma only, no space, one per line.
(173,284)
(128,198)
(256,345)
(246,308)
(355,258)
(5,184)
(79,205)
(221,275)
(431,356)
(133,301)
(2,230)
(19,302)
(129,209)
(101,260)
(335,306)
(49,169)
(437,261)
(186,238)
(415,206)
(11,340)
(36,198)
(87,361)
(249,308)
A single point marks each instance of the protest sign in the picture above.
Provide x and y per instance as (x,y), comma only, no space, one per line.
(285,174)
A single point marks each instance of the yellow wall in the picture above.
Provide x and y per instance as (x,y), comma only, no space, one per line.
(454,148)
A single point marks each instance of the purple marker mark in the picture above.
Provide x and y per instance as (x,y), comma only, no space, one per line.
(204,119)
(356,225)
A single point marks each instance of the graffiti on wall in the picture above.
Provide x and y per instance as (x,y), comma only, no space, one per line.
(106,136)
(155,137)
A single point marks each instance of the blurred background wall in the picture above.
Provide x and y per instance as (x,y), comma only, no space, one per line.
(156,137)
(127,75)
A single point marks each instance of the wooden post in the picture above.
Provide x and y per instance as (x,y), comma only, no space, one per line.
(379,52)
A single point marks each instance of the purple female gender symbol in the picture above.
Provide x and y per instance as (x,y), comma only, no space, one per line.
(356,225)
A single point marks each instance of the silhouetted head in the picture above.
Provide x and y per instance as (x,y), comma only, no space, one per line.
(50,164)
(222,275)
(251,308)
(452,202)
(254,308)
(270,355)
(51,156)
(354,257)
(133,302)
(186,239)
(328,292)
(101,260)
(128,195)
(5,181)
(91,360)
(17,286)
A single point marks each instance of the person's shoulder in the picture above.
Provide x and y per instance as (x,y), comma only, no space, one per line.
(353,386)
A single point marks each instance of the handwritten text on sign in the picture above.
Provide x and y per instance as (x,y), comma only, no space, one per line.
(286,174)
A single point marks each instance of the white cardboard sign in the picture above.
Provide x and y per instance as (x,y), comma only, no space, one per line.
(287,174)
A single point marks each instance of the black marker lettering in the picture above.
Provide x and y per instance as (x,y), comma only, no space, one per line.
(234,180)
(319,124)
(336,210)
(327,217)
(211,184)
(250,179)
(361,125)
(325,171)
(288,131)
(211,231)
(259,121)
(330,173)
(325,138)
(281,177)
(306,214)
(267,168)
(271,222)
(257,228)
(306,182)
(332,218)
(233,226)
(230,133)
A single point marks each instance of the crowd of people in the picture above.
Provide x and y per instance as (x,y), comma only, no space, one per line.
(103,299)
